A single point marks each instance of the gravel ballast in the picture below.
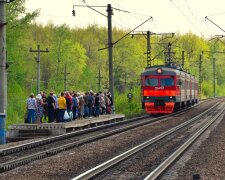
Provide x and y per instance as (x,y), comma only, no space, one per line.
(68,164)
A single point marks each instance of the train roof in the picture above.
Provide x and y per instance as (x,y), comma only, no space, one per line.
(168,70)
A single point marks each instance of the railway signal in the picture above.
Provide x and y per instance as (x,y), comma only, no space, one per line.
(130,96)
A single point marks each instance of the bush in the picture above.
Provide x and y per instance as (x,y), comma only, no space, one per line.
(129,108)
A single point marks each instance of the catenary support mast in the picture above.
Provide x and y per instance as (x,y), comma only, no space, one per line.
(38,65)
(3,81)
(110,50)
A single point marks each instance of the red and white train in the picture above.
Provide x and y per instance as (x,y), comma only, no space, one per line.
(167,89)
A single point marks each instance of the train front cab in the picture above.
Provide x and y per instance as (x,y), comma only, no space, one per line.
(159,93)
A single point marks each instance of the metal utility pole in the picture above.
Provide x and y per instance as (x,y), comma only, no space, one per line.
(3,78)
(200,77)
(99,80)
(125,80)
(3,75)
(214,70)
(110,43)
(148,52)
(214,77)
(182,59)
(110,50)
(149,59)
(149,34)
(169,55)
(38,65)
(65,78)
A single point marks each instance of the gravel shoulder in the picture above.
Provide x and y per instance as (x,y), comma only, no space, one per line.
(209,158)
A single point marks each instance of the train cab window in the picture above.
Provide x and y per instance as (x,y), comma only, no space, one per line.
(151,82)
(167,82)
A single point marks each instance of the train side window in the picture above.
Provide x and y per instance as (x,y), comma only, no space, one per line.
(151,82)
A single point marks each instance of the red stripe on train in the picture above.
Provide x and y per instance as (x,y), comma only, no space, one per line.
(159,93)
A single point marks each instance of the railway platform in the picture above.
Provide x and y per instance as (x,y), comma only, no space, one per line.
(24,131)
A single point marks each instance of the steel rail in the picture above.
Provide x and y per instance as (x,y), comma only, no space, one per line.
(42,142)
(102,167)
(27,159)
(165,164)
(30,145)
(24,160)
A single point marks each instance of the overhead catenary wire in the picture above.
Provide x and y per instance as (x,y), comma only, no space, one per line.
(192,13)
(179,9)
(127,33)
(214,23)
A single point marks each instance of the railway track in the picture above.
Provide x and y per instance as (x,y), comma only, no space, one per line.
(23,154)
(185,133)
(46,141)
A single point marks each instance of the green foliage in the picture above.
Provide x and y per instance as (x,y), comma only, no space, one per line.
(129,108)
(77,48)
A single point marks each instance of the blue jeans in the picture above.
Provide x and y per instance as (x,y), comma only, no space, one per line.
(74,112)
(50,115)
(61,115)
(90,111)
(97,110)
(31,116)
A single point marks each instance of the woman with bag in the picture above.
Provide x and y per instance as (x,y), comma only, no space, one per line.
(62,107)
(40,109)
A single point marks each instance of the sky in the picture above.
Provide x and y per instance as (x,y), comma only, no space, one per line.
(168,16)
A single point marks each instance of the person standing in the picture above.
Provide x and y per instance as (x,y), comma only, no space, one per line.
(68,98)
(86,109)
(97,105)
(62,107)
(81,106)
(56,113)
(102,102)
(74,105)
(108,104)
(31,108)
(51,107)
(90,103)
(45,107)
(40,109)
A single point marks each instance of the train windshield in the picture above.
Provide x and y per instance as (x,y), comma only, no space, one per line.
(167,82)
(151,82)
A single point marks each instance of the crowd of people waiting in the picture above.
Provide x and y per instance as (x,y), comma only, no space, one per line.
(67,106)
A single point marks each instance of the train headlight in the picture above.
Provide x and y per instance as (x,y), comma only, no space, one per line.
(159,70)
(172,99)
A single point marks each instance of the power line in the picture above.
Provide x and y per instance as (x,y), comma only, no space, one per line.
(189,8)
(214,24)
(126,34)
(186,17)
(216,14)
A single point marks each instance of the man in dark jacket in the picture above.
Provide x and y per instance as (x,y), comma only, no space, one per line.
(51,107)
